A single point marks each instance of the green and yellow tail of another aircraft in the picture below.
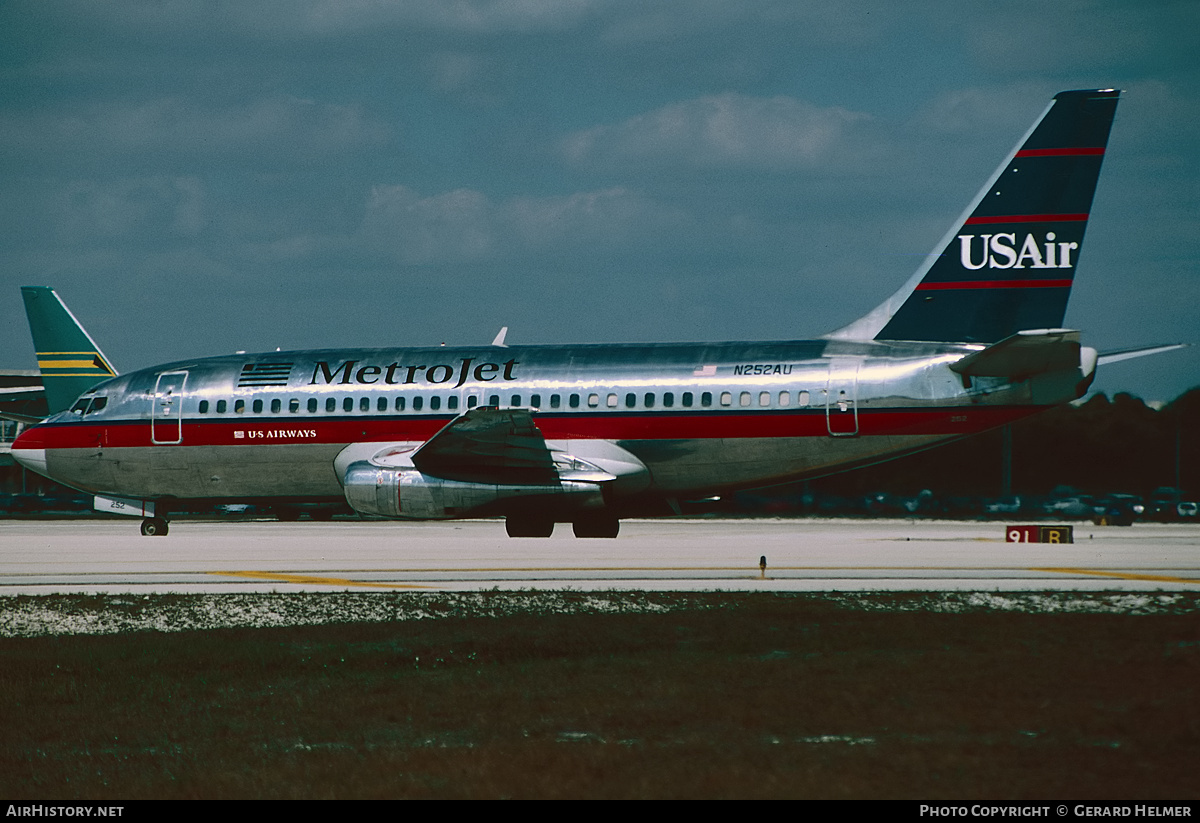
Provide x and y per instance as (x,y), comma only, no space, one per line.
(70,361)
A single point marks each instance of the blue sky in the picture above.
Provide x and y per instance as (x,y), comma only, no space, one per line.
(196,178)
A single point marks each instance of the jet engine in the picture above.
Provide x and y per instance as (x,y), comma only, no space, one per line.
(410,493)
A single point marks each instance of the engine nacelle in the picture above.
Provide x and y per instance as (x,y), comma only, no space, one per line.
(411,494)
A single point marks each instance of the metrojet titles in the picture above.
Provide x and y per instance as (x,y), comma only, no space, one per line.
(395,374)
(1000,251)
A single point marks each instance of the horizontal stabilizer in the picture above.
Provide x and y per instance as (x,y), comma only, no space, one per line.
(488,445)
(22,397)
(1129,354)
(1024,354)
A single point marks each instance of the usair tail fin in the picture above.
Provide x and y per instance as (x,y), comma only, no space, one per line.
(1009,261)
(70,361)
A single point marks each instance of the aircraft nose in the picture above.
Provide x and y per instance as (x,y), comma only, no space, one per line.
(29,449)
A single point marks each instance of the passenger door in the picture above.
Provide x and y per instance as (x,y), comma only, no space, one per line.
(841,397)
(166,413)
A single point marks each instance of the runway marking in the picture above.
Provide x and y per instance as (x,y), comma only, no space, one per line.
(1125,575)
(748,569)
(323,581)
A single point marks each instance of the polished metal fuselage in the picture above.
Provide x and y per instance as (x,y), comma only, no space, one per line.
(701,418)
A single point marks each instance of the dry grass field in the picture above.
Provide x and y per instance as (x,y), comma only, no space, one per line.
(723,696)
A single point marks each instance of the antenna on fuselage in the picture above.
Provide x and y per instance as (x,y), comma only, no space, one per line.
(499,341)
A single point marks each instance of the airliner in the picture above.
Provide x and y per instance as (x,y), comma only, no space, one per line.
(591,434)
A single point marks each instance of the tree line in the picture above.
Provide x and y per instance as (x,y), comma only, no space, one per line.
(1101,446)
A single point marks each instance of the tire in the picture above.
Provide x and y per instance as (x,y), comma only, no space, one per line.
(154,527)
(528,527)
(604,526)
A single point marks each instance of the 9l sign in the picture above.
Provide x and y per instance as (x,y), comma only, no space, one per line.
(1039,534)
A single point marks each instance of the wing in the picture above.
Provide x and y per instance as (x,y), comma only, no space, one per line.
(488,445)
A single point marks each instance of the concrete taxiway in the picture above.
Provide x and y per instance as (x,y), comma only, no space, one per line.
(41,557)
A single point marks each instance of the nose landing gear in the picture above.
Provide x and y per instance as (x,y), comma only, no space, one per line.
(154,527)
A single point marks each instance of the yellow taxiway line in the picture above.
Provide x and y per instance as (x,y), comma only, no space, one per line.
(322,581)
(1125,575)
(343,581)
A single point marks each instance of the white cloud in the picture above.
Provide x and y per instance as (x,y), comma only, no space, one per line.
(287,19)
(730,130)
(465,225)
(145,209)
(279,126)
(973,110)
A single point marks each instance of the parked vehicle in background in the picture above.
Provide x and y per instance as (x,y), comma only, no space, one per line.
(1068,504)
(1164,504)
(1117,510)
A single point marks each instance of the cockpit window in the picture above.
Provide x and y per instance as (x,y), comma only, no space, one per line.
(89,404)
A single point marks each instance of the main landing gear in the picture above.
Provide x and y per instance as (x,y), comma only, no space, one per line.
(154,527)
(596,525)
(528,526)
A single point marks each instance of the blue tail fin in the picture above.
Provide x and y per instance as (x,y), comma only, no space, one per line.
(1008,263)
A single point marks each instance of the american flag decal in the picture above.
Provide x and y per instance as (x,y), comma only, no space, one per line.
(265,374)
(706,371)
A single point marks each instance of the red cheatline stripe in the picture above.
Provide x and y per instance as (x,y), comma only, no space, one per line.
(1027,218)
(812,421)
(997,284)
(1067,152)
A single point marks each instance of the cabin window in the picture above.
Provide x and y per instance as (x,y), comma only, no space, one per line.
(555,401)
(648,399)
(276,405)
(611,401)
(631,401)
(312,405)
(294,405)
(593,401)
(204,407)
(802,399)
(687,399)
(452,402)
(515,400)
(435,403)
(744,398)
(536,401)
(381,404)
(399,404)
(418,402)
(574,401)
(706,399)
(221,407)
(726,398)
(257,406)
(348,404)
(764,398)
(364,404)
(785,398)
(330,404)
(472,401)
(668,399)
(239,406)
(494,400)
